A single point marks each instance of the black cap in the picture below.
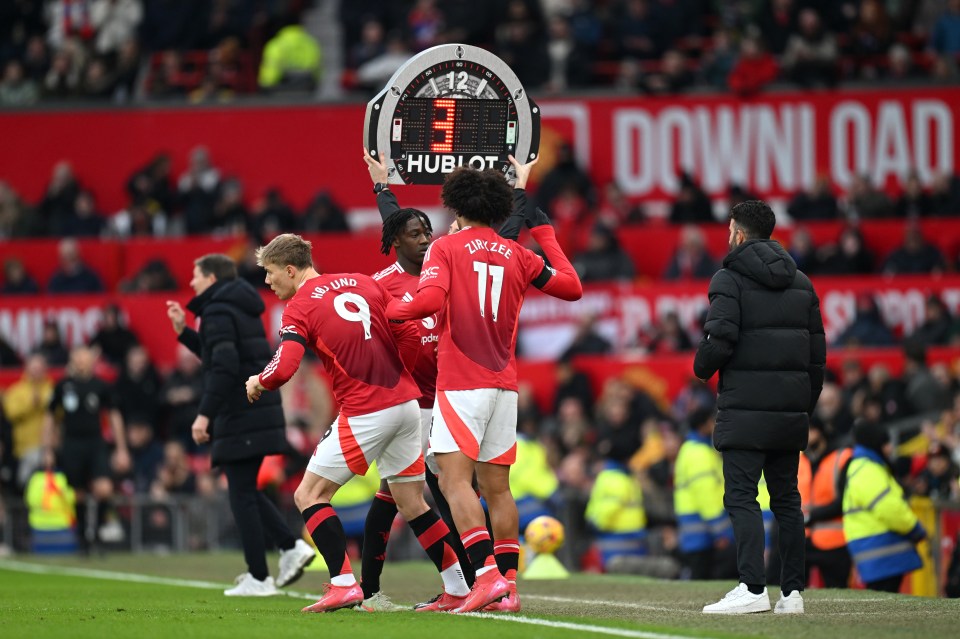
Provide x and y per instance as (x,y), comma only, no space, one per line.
(870,435)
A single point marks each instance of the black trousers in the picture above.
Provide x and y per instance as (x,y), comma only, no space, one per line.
(712,563)
(258,519)
(741,474)
(834,565)
(890,584)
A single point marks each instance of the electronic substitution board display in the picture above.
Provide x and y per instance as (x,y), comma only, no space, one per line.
(449,106)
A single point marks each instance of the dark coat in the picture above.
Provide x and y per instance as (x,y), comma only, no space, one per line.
(233,346)
(764,334)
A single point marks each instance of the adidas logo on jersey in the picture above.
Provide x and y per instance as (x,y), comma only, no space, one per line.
(407,297)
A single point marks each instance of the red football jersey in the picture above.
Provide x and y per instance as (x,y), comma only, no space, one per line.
(485,277)
(342,317)
(403,286)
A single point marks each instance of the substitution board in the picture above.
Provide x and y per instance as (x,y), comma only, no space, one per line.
(451,105)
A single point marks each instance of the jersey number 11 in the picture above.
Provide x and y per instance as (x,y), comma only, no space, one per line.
(496,286)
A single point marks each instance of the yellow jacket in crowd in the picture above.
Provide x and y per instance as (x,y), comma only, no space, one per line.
(878,524)
(25,404)
(698,495)
(532,481)
(615,510)
(51,502)
(292,50)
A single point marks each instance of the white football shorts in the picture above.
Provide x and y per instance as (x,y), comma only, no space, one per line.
(391,437)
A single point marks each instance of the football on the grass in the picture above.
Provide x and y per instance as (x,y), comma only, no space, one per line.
(544,535)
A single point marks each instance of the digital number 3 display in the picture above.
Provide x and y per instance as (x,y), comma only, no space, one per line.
(448,125)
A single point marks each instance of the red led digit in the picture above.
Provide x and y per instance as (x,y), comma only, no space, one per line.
(445,125)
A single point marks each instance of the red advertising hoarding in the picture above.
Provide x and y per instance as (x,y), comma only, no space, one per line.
(546,324)
(772,144)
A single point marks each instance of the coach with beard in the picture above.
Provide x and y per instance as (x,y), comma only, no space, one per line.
(764,335)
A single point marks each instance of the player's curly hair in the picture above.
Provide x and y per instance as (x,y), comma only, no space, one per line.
(394,225)
(481,196)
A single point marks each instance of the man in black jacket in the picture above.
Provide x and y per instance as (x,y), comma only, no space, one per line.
(764,335)
(232,346)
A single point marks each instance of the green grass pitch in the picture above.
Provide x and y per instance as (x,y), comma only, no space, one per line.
(147,596)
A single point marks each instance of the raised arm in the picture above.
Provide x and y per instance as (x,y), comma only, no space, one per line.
(514,224)
(559,280)
(386,200)
(185,335)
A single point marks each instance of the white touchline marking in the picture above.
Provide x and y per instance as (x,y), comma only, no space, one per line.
(41,569)
(566,625)
(891,599)
(676,610)
(21,566)
(609,603)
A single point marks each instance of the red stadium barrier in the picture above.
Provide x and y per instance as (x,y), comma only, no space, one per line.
(663,376)
(546,324)
(650,246)
(772,144)
(625,311)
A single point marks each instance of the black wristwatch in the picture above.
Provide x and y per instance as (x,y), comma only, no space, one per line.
(379,187)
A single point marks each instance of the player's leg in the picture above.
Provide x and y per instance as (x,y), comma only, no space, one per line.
(458,430)
(498,451)
(435,538)
(376,534)
(401,463)
(459,418)
(327,470)
(443,508)
(242,490)
(494,482)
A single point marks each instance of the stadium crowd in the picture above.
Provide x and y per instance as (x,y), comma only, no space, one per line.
(121,50)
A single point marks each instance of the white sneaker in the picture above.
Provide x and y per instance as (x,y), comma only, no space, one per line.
(378,602)
(792,604)
(247,586)
(739,601)
(111,532)
(293,562)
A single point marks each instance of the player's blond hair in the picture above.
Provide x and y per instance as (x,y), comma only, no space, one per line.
(286,250)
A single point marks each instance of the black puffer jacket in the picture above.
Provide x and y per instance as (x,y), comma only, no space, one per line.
(233,346)
(764,334)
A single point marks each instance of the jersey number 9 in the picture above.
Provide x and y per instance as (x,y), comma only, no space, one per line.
(362,314)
